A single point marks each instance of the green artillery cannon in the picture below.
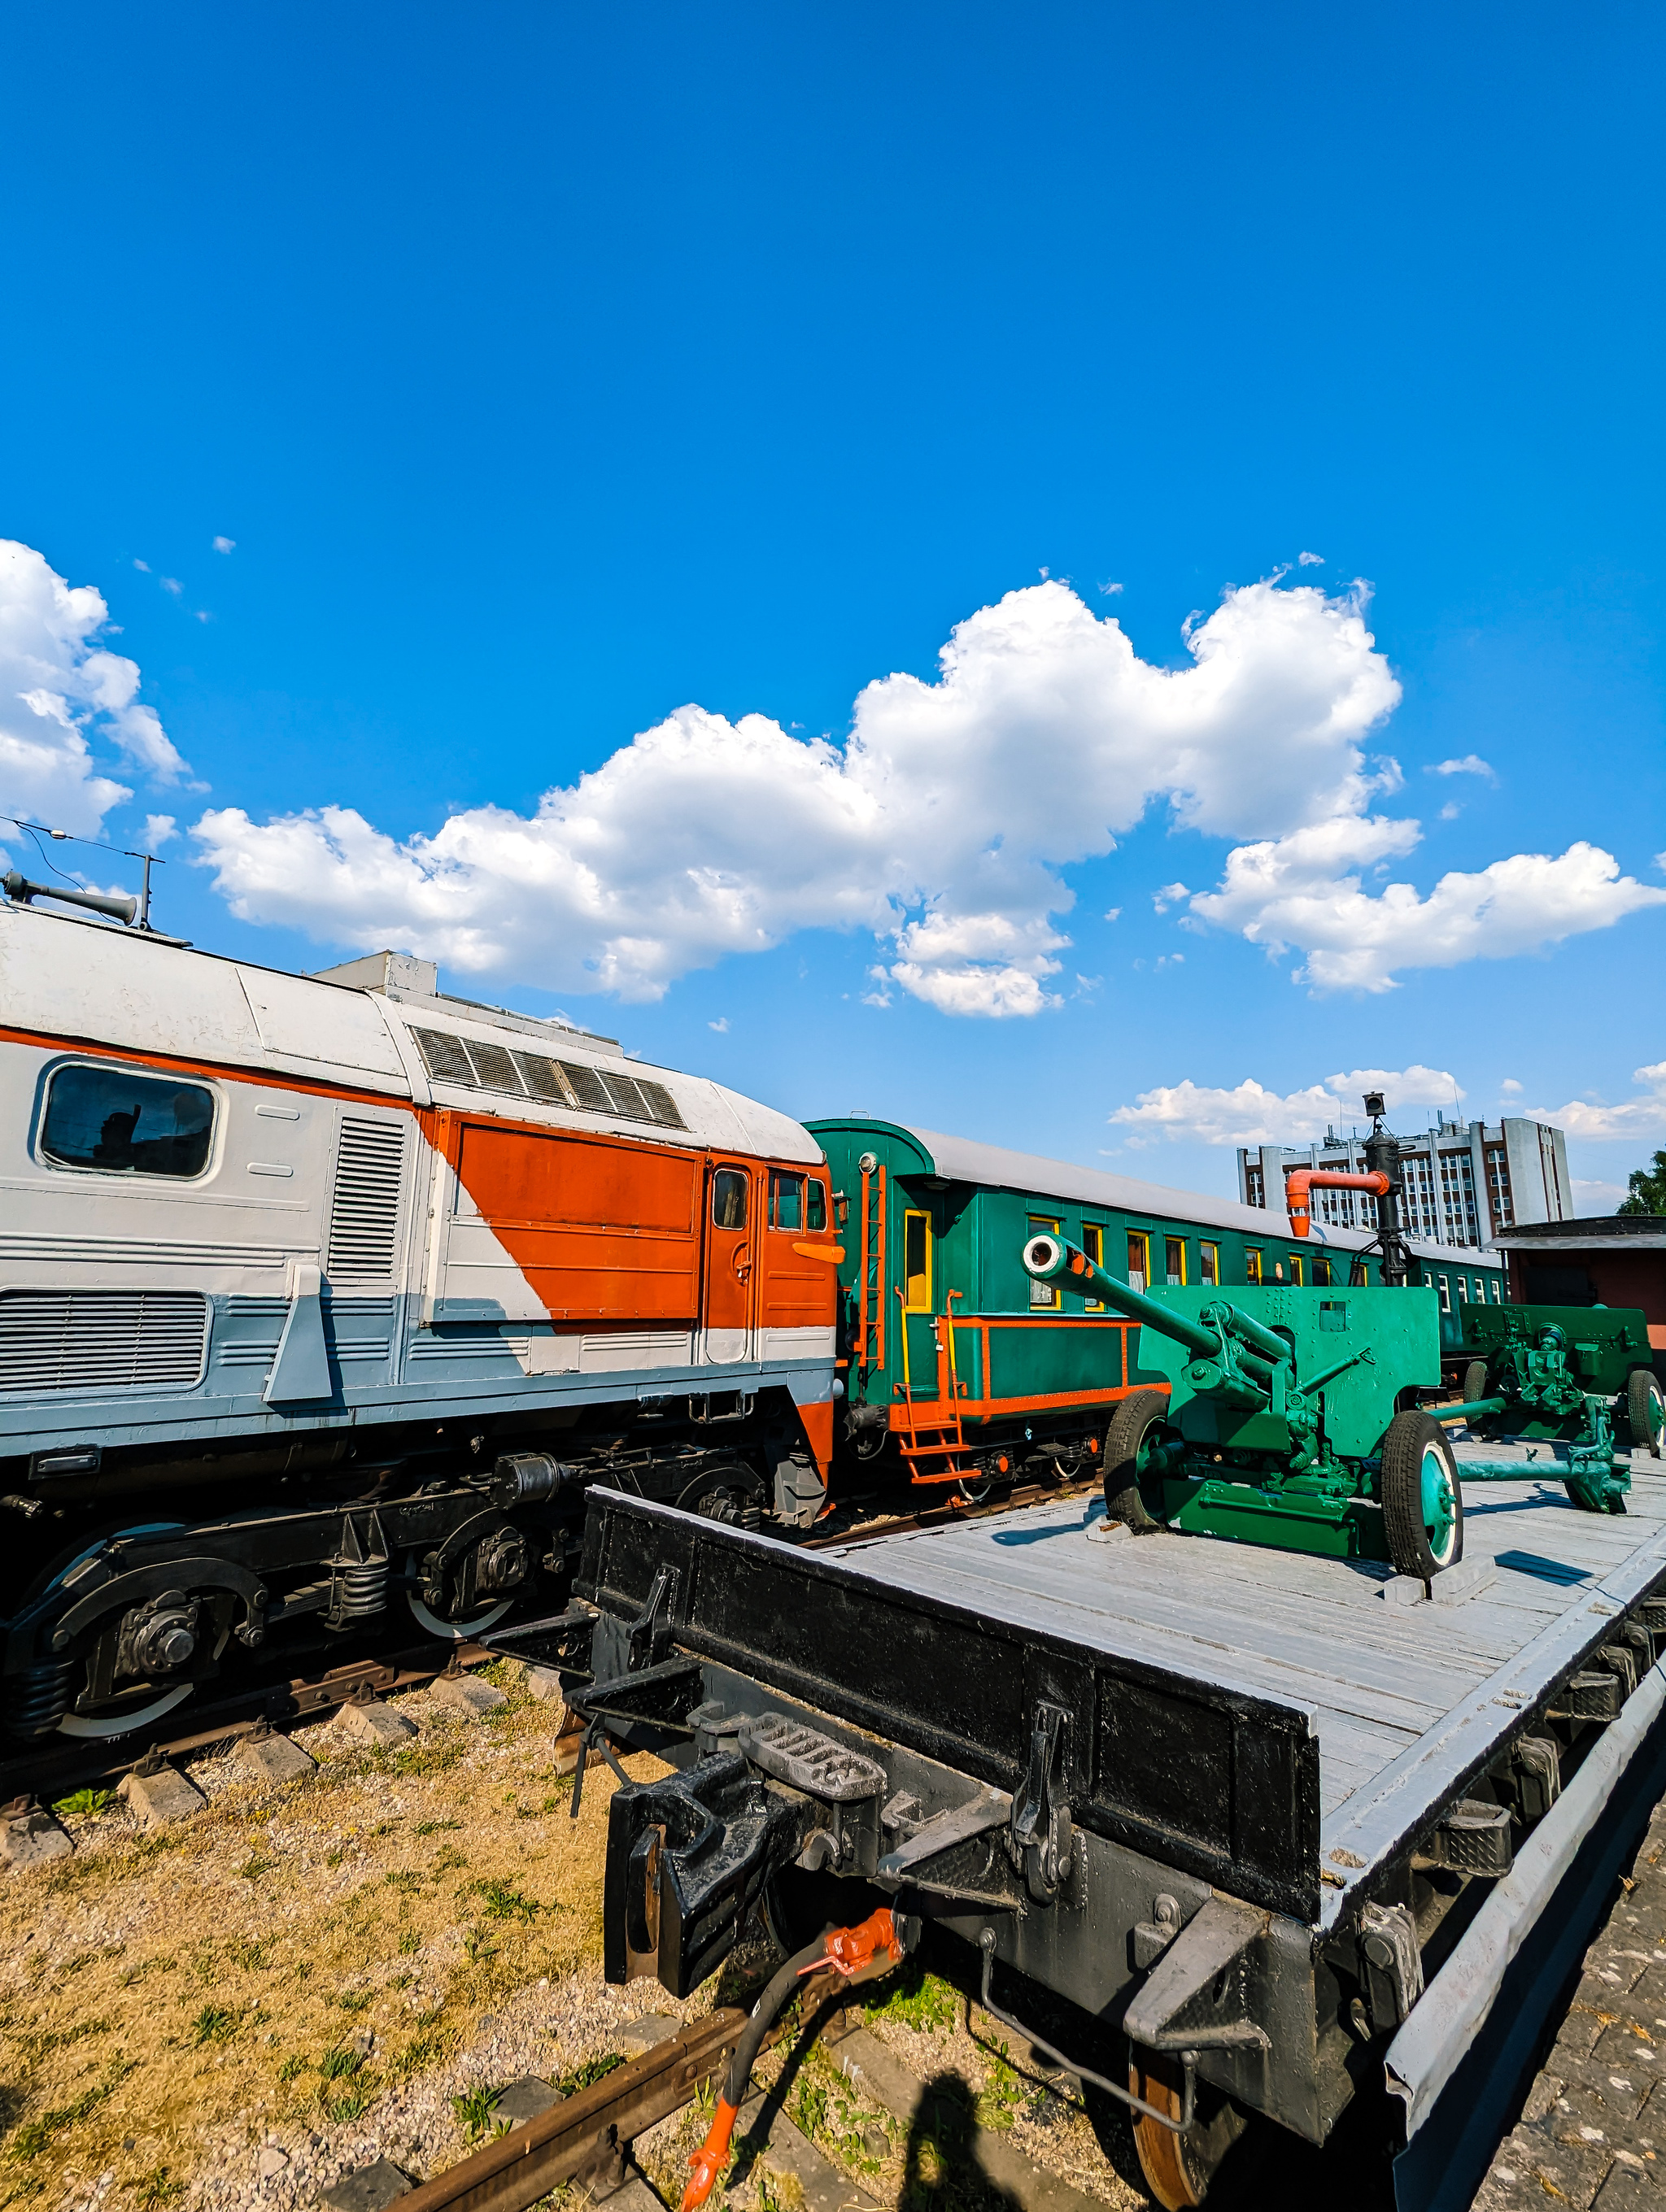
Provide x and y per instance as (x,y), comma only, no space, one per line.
(1577,1376)
(1285,1422)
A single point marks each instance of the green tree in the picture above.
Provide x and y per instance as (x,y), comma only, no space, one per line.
(1648,1189)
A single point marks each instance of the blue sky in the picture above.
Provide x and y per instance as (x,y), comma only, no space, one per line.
(552,371)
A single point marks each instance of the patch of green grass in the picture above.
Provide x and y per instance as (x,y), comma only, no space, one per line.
(252,1869)
(403,1879)
(57,2039)
(342,2110)
(254,1956)
(479,1945)
(917,1999)
(85,1801)
(434,1827)
(352,2000)
(501,1901)
(421,2051)
(214,2024)
(410,1943)
(156,2187)
(295,2064)
(334,1858)
(475,2111)
(28,2140)
(588,2070)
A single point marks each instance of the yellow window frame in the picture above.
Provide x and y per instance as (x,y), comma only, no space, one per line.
(1172,1244)
(1296,1274)
(1252,1263)
(1093,1243)
(1140,1243)
(1208,1262)
(1044,1297)
(916,1300)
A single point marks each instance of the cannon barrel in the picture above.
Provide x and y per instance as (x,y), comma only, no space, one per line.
(1051,1260)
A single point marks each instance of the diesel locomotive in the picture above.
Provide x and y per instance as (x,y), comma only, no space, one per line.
(321,1296)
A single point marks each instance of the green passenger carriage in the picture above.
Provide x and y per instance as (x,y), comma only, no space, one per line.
(958,1366)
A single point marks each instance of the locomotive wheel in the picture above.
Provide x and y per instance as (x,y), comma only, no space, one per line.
(1645,1410)
(1135,1426)
(1178,2168)
(1421,1497)
(730,1494)
(120,1716)
(1475,1381)
(448,1632)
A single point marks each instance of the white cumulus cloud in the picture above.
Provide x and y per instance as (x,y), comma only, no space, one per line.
(942,823)
(61,693)
(1250,1113)
(1644,1116)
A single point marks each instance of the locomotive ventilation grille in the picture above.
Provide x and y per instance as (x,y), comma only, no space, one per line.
(101,1339)
(364,1204)
(557,1082)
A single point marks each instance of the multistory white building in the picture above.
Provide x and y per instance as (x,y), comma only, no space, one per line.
(1465,1181)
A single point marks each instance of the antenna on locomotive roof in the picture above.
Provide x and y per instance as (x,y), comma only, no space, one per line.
(133,913)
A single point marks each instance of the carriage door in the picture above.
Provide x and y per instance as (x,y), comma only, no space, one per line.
(731,1254)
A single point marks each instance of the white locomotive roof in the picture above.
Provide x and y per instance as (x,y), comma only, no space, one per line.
(963,1159)
(98,985)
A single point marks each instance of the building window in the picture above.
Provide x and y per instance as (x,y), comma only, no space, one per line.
(1497,1163)
(1251,1264)
(1093,1243)
(1139,1259)
(1044,1297)
(917,1262)
(1255,1187)
(1174,1259)
(119,1123)
(1208,1263)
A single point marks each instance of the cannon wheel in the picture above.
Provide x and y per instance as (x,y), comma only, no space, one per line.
(1422,1497)
(1178,2169)
(1135,1427)
(1475,1381)
(1644,1409)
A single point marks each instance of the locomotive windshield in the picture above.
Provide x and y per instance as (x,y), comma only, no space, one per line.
(110,1119)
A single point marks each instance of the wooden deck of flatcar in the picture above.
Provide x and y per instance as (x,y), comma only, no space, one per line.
(1406,1700)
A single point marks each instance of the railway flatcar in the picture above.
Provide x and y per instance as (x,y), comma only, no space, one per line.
(959,1368)
(324,1294)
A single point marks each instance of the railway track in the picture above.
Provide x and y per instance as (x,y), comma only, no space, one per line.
(48,1773)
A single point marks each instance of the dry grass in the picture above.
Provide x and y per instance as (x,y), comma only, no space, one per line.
(286,1953)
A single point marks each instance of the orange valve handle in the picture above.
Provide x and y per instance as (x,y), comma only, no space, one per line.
(1297,1186)
(872,1945)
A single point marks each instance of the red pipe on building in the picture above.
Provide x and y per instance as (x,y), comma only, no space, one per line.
(1297,1186)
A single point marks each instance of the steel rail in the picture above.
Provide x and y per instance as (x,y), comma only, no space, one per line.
(588,2134)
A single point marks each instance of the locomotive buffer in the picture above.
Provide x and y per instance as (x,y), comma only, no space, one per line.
(1241,1836)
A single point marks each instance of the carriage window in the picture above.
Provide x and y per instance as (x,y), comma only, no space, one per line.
(1138,1258)
(1174,1259)
(1295,1267)
(125,1124)
(1321,1275)
(1044,1296)
(1093,1243)
(815,1214)
(917,1262)
(1498,1292)
(1208,1261)
(1251,1264)
(787,1202)
(729,1199)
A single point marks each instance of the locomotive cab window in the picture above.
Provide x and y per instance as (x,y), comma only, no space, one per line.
(815,1205)
(119,1123)
(729,1199)
(786,1202)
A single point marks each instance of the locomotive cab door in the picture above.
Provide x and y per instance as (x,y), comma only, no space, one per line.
(731,1227)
